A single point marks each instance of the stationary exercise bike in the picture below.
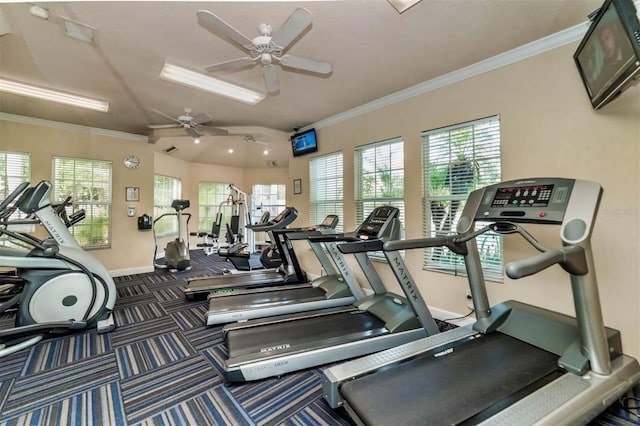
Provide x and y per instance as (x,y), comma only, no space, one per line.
(65,288)
(176,253)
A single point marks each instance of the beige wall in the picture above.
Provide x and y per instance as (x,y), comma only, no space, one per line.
(131,249)
(548,129)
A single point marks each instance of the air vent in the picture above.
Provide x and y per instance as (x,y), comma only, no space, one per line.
(271,163)
(80,31)
(171,149)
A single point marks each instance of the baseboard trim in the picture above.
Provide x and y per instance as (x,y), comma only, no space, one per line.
(131,271)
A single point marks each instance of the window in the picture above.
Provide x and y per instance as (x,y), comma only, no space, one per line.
(165,190)
(89,184)
(15,168)
(210,197)
(456,161)
(270,198)
(326,188)
(379,177)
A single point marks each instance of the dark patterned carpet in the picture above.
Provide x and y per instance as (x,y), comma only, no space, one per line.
(161,367)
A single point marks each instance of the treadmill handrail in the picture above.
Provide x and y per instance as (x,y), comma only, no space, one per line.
(361,246)
(334,238)
(571,258)
(453,242)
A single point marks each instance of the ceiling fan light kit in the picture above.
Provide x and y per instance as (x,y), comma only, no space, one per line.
(267,48)
(23,89)
(195,80)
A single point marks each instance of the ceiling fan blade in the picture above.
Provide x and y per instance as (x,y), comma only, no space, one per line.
(216,131)
(192,132)
(231,65)
(166,115)
(306,64)
(297,22)
(200,119)
(163,126)
(271,81)
(212,23)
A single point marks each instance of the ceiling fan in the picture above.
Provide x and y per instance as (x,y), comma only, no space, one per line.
(193,125)
(267,48)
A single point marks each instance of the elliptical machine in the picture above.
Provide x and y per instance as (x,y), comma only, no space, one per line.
(176,253)
(65,288)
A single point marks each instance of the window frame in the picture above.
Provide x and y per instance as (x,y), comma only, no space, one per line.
(163,184)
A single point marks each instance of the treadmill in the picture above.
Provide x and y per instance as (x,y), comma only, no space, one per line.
(518,364)
(287,273)
(323,292)
(277,345)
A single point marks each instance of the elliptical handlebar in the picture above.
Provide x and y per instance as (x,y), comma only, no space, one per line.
(5,211)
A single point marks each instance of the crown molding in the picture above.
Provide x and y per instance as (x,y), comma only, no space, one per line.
(534,48)
(73,127)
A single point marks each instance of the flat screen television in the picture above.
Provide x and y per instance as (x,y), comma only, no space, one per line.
(304,142)
(608,57)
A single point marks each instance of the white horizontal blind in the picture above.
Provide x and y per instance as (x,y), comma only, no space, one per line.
(379,175)
(327,190)
(165,190)
(270,198)
(210,196)
(457,160)
(89,184)
(15,168)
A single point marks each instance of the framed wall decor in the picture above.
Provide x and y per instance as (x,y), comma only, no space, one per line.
(132,193)
(297,186)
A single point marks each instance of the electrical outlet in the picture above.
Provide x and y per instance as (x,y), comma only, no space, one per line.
(469,300)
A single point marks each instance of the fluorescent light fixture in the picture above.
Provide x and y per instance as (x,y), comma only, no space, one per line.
(176,74)
(402,5)
(52,95)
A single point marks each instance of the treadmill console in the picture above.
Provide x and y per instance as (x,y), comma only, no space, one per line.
(542,200)
(282,220)
(377,222)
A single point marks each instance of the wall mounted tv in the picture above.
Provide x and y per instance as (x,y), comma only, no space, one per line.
(608,57)
(304,142)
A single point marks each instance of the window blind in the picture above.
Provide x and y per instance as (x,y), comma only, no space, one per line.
(165,190)
(326,187)
(379,175)
(457,160)
(210,196)
(270,198)
(89,184)
(15,168)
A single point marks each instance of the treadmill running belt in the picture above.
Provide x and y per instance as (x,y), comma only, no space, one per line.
(285,296)
(304,334)
(450,388)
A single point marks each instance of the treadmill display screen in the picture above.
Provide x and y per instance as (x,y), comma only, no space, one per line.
(523,196)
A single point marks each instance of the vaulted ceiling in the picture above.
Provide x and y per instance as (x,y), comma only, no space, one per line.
(374,51)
